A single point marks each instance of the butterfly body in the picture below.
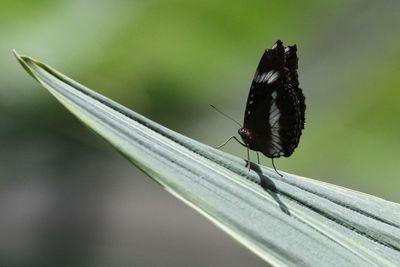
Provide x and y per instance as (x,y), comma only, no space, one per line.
(275,109)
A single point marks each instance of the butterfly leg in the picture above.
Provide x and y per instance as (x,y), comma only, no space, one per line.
(258,158)
(248,159)
(248,149)
(273,164)
(229,139)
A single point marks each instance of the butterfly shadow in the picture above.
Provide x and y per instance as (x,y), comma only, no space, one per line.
(268,185)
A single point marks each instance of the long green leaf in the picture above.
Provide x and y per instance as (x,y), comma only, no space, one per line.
(288,221)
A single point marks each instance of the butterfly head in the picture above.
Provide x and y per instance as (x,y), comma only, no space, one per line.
(246,135)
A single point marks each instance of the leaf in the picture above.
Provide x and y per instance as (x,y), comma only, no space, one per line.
(289,221)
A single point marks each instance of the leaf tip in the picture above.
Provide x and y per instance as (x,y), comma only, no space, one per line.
(24,60)
(17,55)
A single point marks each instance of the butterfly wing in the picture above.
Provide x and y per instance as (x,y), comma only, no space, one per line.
(274,114)
(297,100)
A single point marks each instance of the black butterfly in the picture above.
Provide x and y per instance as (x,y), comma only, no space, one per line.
(274,115)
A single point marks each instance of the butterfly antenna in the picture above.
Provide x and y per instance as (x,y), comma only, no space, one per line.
(273,164)
(229,117)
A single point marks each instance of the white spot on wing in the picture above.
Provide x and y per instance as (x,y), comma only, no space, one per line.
(274,94)
(274,115)
(269,74)
(273,77)
(269,77)
(262,77)
(273,119)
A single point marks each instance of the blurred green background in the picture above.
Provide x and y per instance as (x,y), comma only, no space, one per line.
(67,198)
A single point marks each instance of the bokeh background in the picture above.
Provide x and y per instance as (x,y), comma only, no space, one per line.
(67,198)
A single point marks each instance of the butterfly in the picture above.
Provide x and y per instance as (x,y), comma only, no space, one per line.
(275,110)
